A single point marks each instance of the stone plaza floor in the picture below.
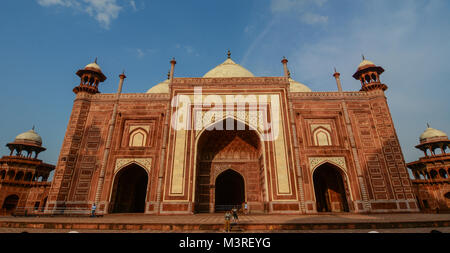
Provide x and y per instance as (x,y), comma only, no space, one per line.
(207,223)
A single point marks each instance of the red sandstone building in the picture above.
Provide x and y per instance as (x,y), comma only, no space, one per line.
(431,182)
(23,178)
(277,146)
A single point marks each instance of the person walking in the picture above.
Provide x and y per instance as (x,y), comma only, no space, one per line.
(227,221)
(93,208)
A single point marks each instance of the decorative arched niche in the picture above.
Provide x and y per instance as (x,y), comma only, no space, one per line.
(321,134)
(138,138)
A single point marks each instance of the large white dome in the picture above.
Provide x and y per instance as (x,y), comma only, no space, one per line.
(162,87)
(229,69)
(298,87)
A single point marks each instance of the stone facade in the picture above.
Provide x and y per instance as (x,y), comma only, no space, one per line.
(350,134)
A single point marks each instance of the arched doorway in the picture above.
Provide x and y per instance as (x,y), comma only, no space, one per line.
(218,151)
(229,191)
(10,203)
(130,190)
(330,189)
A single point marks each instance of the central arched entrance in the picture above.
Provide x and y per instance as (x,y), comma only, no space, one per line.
(330,189)
(229,191)
(225,160)
(130,190)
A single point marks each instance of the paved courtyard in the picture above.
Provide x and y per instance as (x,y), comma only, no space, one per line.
(329,223)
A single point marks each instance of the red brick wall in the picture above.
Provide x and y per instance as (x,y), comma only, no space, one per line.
(376,171)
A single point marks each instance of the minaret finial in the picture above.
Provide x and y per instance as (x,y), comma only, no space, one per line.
(229,54)
(428,125)
(335,71)
(363,57)
(33,128)
(95,60)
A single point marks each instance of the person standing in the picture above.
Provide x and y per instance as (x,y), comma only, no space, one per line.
(227,221)
(235,215)
(94,207)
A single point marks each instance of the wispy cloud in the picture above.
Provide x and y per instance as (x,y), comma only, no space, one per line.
(104,11)
(141,52)
(311,19)
(408,38)
(190,50)
(257,41)
(133,5)
(306,10)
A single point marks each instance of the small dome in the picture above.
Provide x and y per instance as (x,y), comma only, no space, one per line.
(94,66)
(229,69)
(298,87)
(432,134)
(162,87)
(365,63)
(29,137)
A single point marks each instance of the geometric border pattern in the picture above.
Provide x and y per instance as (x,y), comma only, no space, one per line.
(314,162)
(146,163)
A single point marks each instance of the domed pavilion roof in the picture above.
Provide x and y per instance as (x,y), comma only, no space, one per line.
(366,63)
(432,134)
(93,66)
(29,137)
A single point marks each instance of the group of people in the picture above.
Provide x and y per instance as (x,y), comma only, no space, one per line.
(233,214)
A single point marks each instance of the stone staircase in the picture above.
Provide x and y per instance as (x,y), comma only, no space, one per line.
(236,228)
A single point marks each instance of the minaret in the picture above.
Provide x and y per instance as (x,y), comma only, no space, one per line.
(172,68)
(90,77)
(285,68)
(109,137)
(369,75)
(338,79)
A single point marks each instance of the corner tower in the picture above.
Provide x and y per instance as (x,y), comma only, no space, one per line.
(91,76)
(64,195)
(431,182)
(369,75)
(24,182)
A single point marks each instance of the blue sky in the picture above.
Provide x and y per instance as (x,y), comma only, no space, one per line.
(44,42)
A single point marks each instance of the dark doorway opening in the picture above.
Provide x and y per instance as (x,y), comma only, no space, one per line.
(10,203)
(329,189)
(130,190)
(43,204)
(230,191)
